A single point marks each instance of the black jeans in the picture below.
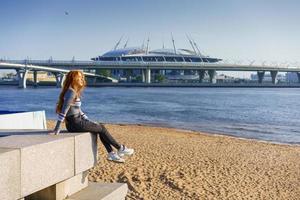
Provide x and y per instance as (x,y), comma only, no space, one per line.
(79,124)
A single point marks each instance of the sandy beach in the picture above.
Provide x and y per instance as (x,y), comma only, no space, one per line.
(177,164)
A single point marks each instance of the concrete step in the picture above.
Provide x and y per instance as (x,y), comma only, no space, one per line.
(101,191)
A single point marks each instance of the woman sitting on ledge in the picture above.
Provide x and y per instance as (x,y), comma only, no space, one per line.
(68,109)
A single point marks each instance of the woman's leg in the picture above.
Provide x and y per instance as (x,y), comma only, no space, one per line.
(106,144)
(78,124)
(105,137)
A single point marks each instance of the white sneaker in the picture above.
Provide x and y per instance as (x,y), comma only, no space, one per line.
(112,156)
(125,151)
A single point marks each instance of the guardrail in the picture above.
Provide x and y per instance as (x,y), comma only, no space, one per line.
(159,65)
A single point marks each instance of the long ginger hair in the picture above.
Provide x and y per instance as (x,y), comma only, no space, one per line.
(70,81)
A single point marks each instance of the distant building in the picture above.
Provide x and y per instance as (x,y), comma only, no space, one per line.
(41,76)
(267,77)
(222,78)
(10,77)
(291,77)
(144,54)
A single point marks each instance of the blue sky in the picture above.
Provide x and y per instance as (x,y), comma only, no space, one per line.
(229,29)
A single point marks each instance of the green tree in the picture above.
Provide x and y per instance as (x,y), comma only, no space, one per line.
(159,78)
(103,72)
(139,78)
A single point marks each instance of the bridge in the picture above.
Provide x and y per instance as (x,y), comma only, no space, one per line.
(58,66)
(23,69)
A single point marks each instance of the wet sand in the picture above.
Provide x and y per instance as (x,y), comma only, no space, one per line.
(177,164)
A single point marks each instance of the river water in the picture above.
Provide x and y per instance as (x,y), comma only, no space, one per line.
(270,114)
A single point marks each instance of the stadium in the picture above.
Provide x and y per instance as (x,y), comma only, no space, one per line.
(142,54)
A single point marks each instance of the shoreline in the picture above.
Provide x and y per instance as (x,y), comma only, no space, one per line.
(201,132)
(169,85)
(208,133)
(171,163)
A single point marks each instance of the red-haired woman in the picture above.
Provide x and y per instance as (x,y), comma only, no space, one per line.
(68,109)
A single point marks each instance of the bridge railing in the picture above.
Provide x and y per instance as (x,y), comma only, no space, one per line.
(221,64)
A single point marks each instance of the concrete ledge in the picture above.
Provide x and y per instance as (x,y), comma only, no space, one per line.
(24,120)
(85,148)
(101,191)
(85,152)
(8,132)
(49,167)
(10,175)
(45,160)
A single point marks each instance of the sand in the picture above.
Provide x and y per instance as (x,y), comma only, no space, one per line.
(176,164)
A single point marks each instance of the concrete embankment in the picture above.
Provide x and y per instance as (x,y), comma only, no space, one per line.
(228,85)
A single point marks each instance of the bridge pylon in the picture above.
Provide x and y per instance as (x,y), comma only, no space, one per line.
(274,76)
(298,75)
(201,74)
(35,78)
(22,76)
(212,75)
(143,73)
(148,75)
(59,77)
(260,75)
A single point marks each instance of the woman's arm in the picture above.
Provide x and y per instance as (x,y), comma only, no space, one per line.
(68,100)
